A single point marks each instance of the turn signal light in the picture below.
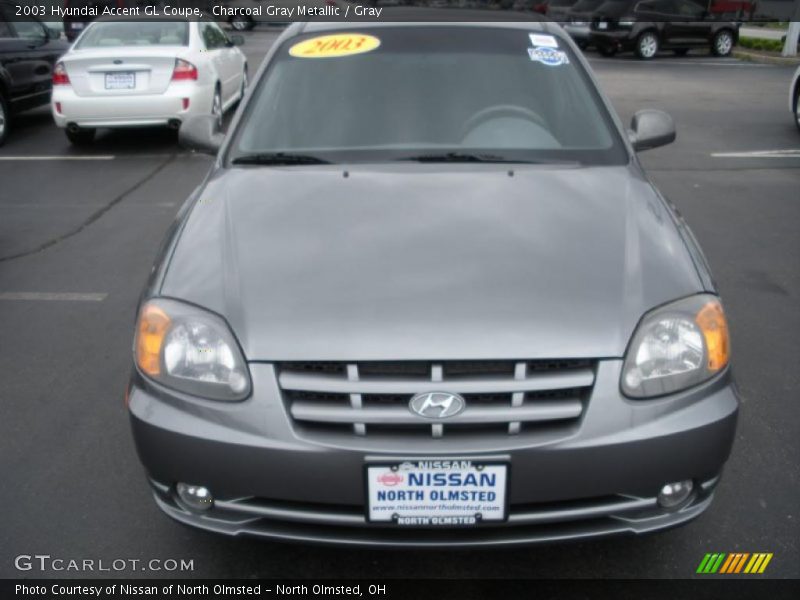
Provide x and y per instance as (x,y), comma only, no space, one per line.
(150,333)
(60,76)
(184,71)
(711,320)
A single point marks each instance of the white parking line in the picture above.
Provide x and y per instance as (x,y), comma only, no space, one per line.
(787,153)
(96,157)
(62,296)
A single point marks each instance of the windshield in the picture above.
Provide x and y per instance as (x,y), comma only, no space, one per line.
(615,7)
(111,34)
(428,92)
(586,5)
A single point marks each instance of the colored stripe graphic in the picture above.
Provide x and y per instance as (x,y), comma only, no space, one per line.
(711,562)
(734,563)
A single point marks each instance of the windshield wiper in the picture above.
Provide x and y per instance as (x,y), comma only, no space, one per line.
(459,157)
(279,158)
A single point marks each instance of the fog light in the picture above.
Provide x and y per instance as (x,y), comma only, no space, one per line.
(195,497)
(673,494)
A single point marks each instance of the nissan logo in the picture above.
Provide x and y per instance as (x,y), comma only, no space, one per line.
(437,405)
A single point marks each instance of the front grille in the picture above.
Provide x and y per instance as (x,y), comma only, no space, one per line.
(504,397)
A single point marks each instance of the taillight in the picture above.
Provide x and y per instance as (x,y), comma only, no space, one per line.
(60,76)
(184,71)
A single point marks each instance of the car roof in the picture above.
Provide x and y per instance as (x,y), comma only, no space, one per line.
(427,18)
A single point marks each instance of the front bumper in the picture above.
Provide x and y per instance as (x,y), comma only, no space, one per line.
(130,110)
(621,40)
(579,33)
(598,479)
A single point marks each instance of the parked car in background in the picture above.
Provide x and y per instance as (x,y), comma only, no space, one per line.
(558,10)
(648,26)
(244,20)
(139,72)
(28,53)
(74,25)
(578,19)
(794,97)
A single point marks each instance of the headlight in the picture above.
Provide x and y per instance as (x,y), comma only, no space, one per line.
(676,347)
(190,350)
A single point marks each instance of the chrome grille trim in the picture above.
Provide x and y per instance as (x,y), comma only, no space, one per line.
(611,507)
(355,399)
(484,385)
(398,415)
(372,398)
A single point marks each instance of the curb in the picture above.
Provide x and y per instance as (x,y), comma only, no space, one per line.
(765,59)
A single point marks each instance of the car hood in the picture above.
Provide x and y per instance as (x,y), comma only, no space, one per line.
(430,261)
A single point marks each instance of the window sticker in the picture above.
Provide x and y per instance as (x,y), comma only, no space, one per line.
(338,44)
(549,56)
(545,41)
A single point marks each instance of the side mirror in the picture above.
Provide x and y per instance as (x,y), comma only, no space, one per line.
(651,129)
(201,133)
(236,39)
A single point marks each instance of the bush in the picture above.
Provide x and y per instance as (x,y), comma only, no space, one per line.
(759,44)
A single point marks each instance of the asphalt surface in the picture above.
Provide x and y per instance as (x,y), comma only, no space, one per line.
(71,485)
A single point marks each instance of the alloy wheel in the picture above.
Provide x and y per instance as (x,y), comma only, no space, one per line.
(797,106)
(723,44)
(216,108)
(2,119)
(648,45)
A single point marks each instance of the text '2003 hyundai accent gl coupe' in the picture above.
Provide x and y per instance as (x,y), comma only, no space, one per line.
(426,296)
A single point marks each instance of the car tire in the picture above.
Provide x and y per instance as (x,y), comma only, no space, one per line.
(797,105)
(647,45)
(80,136)
(242,23)
(681,51)
(722,44)
(607,51)
(216,106)
(5,119)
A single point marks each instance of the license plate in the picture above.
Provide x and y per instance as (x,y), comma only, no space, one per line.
(120,81)
(602,25)
(437,493)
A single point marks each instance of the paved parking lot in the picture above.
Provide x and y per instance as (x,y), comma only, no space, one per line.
(89,223)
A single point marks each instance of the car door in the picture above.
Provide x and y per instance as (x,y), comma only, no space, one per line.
(233,62)
(216,43)
(28,57)
(689,26)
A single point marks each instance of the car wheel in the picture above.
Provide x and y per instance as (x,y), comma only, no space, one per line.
(216,107)
(797,105)
(80,136)
(606,50)
(681,51)
(722,44)
(647,45)
(242,23)
(5,119)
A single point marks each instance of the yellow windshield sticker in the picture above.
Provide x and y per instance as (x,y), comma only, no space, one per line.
(339,44)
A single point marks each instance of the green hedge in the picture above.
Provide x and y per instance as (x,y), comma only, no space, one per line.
(758,44)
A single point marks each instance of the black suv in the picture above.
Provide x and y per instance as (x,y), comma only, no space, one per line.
(28,51)
(647,26)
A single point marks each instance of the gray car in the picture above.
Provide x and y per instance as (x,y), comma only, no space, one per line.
(427,296)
